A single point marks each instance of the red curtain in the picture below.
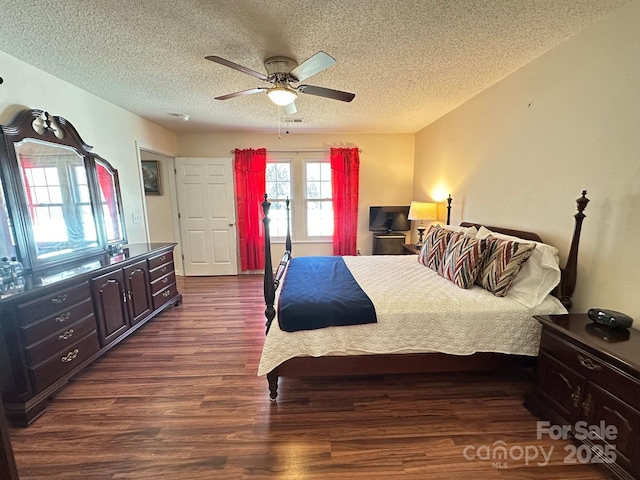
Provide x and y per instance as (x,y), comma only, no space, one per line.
(345,168)
(105,180)
(250,166)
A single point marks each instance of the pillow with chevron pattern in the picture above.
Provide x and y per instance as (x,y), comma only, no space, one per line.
(538,276)
(502,262)
(435,243)
(462,259)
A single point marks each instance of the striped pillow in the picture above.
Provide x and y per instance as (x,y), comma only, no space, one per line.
(462,259)
(501,264)
(435,243)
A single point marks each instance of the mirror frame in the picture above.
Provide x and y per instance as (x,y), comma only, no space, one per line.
(118,198)
(41,126)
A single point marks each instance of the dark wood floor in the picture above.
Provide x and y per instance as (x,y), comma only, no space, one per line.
(181,400)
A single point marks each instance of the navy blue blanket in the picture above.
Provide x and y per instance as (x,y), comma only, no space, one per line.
(320,292)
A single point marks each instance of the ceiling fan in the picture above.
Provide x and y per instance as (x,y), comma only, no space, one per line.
(282,72)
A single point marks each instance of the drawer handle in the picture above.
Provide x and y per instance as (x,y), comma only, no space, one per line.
(588,363)
(577,394)
(162,258)
(66,335)
(64,317)
(59,299)
(166,293)
(69,357)
(163,269)
(165,280)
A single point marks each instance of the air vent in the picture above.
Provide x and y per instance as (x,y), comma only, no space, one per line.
(293,120)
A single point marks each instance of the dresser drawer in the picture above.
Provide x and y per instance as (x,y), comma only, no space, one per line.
(156,273)
(161,259)
(52,303)
(38,352)
(163,282)
(163,296)
(64,361)
(593,368)
(35,332)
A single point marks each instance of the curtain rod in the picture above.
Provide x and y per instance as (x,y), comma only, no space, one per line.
(298,151)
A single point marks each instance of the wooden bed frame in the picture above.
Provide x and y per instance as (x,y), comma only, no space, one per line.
(405,363)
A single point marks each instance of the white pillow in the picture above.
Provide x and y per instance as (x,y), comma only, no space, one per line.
(538,276)
(468,231)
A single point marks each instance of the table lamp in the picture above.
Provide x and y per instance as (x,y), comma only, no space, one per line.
(422,211)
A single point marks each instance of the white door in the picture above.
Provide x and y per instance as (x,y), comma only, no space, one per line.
(206,212)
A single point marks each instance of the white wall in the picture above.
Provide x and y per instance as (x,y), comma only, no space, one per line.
(520,153)
(386,169)
(112,131)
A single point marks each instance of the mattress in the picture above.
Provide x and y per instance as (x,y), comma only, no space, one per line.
(418,312)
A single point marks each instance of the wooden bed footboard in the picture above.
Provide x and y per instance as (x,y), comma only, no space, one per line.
(405,363)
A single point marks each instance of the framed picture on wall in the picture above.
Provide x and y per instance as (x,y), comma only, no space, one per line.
(151,177)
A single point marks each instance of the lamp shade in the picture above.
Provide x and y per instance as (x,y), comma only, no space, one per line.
(282,95)
(423,211)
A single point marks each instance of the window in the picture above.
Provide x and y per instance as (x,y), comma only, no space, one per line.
(45,202)
(318,199)
(278,176)
(83,203)
(306,181)
(46,188)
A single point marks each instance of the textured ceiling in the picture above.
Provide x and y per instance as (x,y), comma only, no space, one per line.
(408,61)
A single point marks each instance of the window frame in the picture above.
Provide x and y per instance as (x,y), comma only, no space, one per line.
(306,162)
(273,200)
(298,202)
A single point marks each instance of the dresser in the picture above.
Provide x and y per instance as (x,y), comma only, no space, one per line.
(588,381)
(52,330)
(8,470)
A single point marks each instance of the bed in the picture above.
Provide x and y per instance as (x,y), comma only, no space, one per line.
(424,322)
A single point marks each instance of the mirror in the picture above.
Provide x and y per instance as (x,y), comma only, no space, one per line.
(110,201)
(60,204)
(56,188)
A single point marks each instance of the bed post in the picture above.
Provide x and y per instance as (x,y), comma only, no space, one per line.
(269,287)
(449,210)
(287,243)
(271,283)
(569,274)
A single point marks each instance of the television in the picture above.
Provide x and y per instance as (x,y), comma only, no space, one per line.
(389,219)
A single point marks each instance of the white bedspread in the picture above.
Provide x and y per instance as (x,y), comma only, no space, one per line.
(417,311)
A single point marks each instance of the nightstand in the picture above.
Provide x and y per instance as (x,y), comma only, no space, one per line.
(388,244)
(410,249)
(588,381)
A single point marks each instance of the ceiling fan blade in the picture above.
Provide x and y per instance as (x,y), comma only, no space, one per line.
(327,93)
(311,66)
(290,109)
(235,66)
(241,93)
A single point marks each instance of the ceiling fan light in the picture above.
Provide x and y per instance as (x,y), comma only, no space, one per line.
(282,95)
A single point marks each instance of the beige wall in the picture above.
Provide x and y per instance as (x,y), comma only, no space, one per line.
(520,153)
(113,132)
(386,169)
(160,207)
